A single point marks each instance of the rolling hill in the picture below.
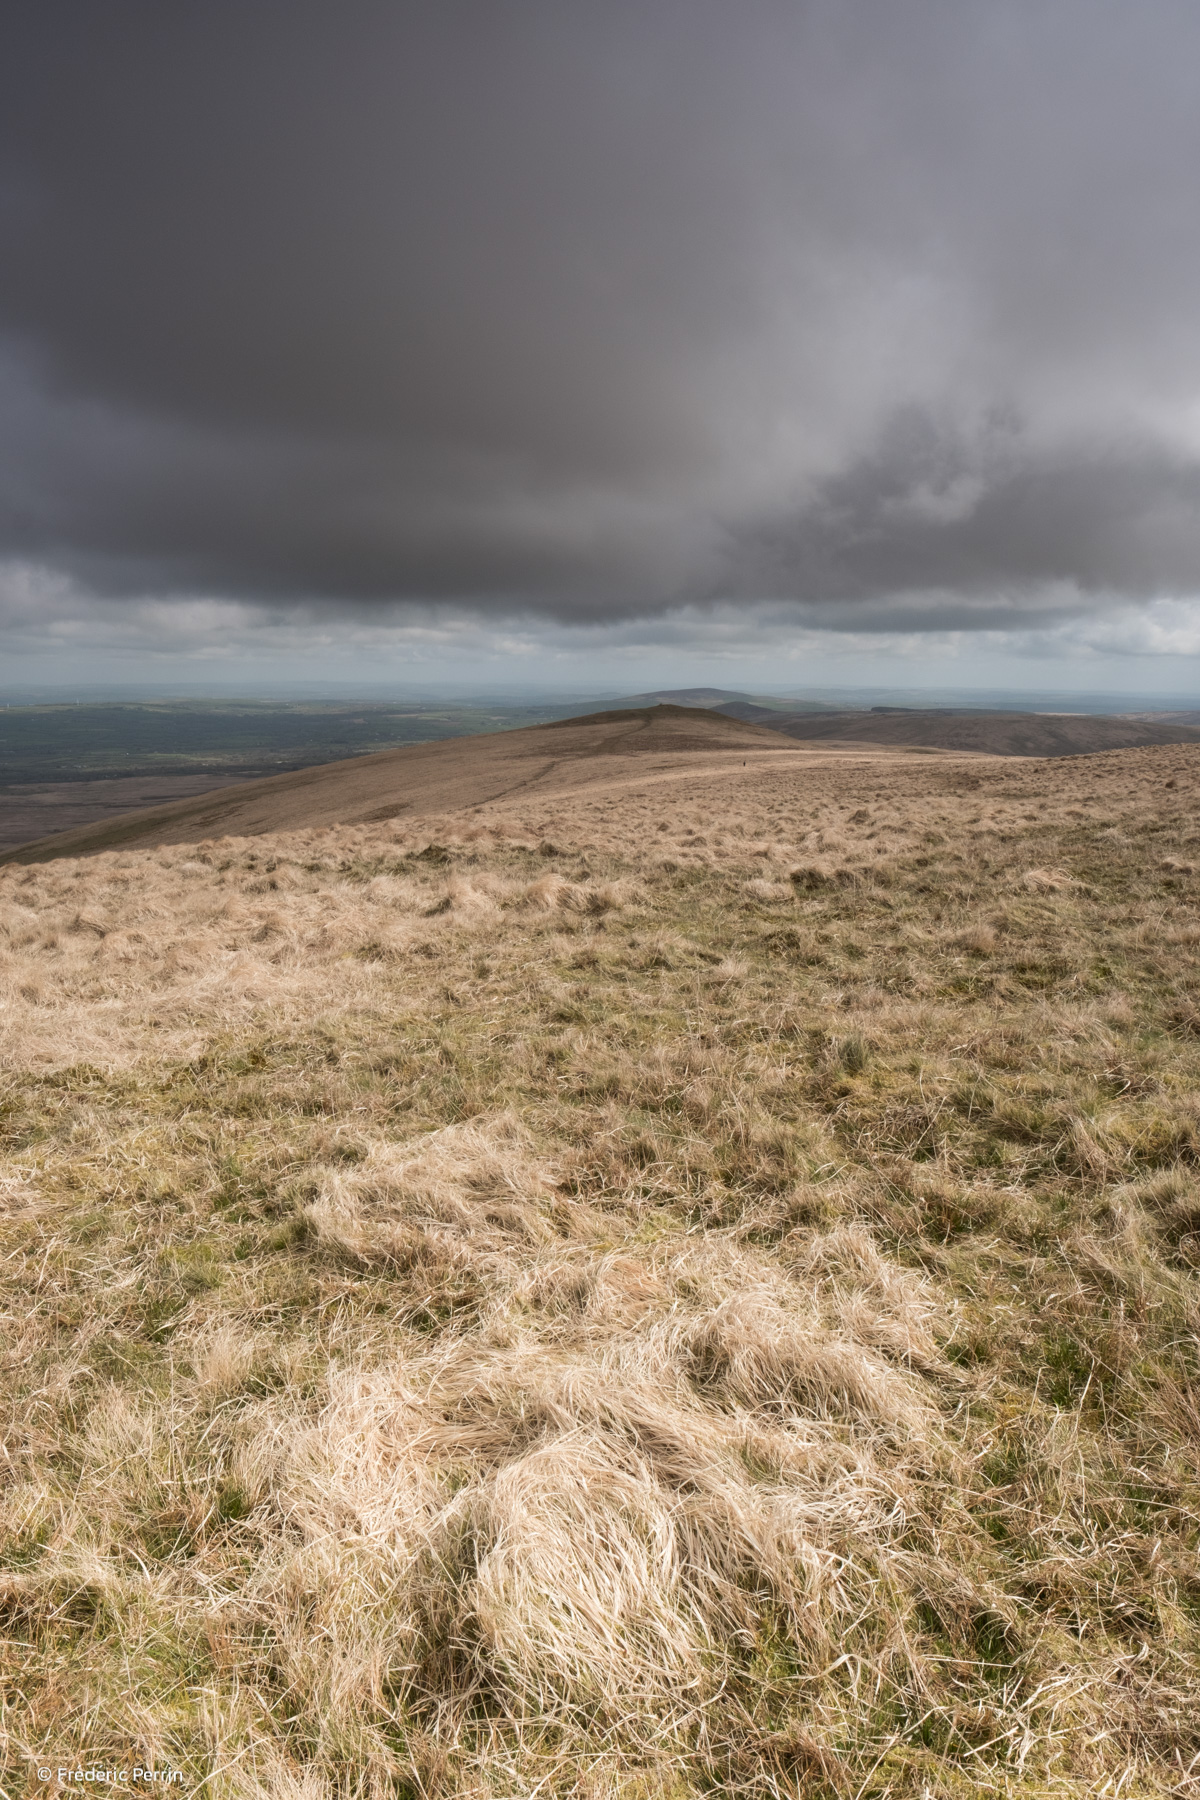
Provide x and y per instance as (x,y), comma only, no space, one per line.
(468,769)
(984,733)
(546,762)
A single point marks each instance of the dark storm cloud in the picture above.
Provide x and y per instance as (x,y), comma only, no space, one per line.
(602,309)
(995,522)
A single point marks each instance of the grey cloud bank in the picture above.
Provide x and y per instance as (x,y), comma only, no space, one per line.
(728,325)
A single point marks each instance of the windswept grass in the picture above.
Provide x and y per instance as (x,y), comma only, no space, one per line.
(699,1295)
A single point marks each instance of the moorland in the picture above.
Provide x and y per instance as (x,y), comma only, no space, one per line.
(669,1269)
(992,732)
(66,764)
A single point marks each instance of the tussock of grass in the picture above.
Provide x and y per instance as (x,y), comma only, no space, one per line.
(670,1299)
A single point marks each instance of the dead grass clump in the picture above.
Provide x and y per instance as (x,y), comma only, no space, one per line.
(871,1298)
(569,1578)
(792,1213)
(553,893)
(811,877)
(467,900)
(1170,1203)
(728,970)
(605,1548)
(448,1210)
(578,1608)
(1048,881)
(755,1351)
(769,891)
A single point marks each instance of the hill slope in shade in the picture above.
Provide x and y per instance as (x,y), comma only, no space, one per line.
(985,733)
(713,1311)
(32,811)
(543,761)
(66,766)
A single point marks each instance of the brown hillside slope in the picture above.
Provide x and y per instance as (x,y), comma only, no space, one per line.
(543,761)
(989,734)
(715,1312)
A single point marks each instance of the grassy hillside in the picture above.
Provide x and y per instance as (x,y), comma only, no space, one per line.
(988,733)
(690,1292)
(63,766)
(548,764)
(97,740)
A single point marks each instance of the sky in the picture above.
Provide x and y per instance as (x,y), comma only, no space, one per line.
(553,344)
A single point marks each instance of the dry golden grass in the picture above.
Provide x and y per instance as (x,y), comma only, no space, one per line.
(695,1293)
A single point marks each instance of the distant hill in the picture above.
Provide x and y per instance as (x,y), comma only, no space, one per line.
(694,696)
(766,706)
(989,733)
